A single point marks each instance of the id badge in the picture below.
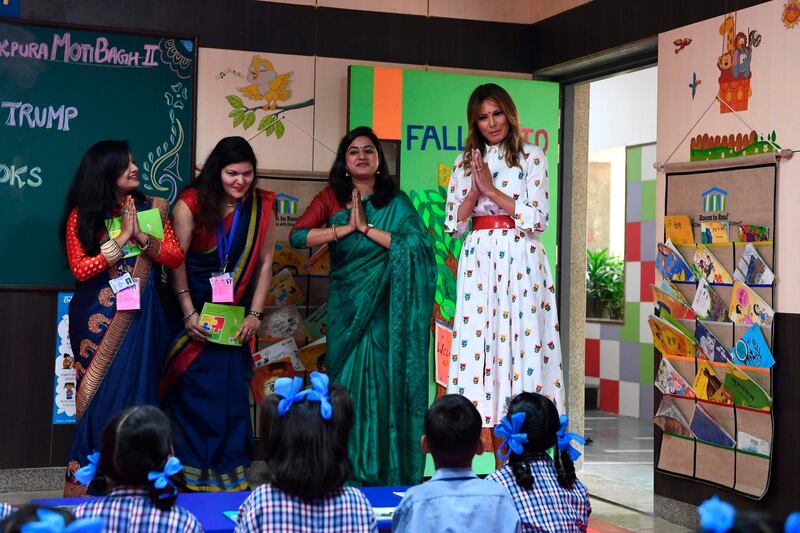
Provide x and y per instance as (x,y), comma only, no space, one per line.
(129,299)
(221,288)
(121,283)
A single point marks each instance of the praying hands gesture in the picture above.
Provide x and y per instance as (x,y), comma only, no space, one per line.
(358,219)
(482,184)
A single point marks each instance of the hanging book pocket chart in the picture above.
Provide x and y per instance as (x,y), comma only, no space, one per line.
(713,324)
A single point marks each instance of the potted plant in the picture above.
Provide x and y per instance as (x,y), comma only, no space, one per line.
(605,285)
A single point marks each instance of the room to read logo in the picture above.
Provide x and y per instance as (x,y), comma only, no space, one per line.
(286,209)
(714,199)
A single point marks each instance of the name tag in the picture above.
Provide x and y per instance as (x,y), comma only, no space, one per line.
(121,283)
(221,288)
(129,299)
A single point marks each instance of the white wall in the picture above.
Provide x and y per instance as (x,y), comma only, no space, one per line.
(622,110)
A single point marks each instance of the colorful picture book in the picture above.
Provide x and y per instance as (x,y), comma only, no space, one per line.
(287,257)
(708,385)
(223,321)
(444,339)
(312,356)
(744,391)
(149,223)
(753,233)
(752,444)
(283,351)
(316,324)
(671,265)
(747,307)
(714,232)
(705,428)
(710,345)
(670,340)
(707,304)
(672,305)
(264,378)
(752,350)
(670,288)
(670,419)
(678,229)
(751,269)
(708,267)
(669,381)
(319,264)
(284,289)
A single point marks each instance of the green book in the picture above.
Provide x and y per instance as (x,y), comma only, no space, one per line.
(744,390)
(149,223)
(223,321)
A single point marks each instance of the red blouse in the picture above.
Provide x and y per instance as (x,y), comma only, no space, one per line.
(320,210)
(169,251)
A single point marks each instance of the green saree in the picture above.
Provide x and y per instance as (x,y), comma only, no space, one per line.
(379,312)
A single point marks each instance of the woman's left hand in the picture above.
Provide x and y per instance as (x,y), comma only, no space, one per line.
(481,175)
(249,327)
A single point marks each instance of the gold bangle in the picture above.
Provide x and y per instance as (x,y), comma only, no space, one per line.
(112,251)
(335,236)
(146,245)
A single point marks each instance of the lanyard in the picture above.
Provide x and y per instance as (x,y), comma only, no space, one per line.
(224,242)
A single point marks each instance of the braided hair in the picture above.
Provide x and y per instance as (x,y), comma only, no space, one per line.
(541,425)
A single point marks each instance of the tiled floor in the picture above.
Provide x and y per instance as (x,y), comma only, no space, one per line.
(618,470)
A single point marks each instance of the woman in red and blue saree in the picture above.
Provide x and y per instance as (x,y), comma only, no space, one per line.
(118,353)
(227,227)
(380,303)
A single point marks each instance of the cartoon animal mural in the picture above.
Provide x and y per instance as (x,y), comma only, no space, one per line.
(791,14)
(266,83)
(734,65)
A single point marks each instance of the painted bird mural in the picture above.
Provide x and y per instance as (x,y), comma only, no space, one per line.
(266,84)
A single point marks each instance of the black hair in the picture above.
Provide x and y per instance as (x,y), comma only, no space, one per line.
(453,430)
(94,191)
(134,443)
(208,183)
(306,455)
(541,425)
(28,513)
(342,183)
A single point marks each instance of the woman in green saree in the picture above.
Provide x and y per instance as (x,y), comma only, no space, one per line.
(379,307)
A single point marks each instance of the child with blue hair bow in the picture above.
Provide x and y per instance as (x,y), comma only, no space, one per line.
(305,434)
(136,471)
(546,492)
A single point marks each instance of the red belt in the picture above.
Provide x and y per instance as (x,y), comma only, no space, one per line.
(493,222)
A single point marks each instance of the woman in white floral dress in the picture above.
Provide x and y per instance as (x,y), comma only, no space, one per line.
(505,331)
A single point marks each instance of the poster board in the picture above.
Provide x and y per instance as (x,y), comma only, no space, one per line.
(63,89)
(735,192)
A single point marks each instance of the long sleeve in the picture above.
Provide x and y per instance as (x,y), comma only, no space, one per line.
(457,190)
(315,216)
(169,251)
(532,208)
(83,266)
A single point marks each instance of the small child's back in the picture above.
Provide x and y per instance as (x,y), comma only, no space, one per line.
(268,508)
(456,500)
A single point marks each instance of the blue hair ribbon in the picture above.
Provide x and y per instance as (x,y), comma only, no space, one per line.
(716,516)
(565,439)
(85,474)
(509,430)
(52,522)
(161,478)
(792,524)
(289,390)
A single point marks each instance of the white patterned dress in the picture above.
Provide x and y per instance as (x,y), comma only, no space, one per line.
(505,331)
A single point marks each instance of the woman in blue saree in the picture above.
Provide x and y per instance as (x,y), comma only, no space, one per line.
(227,226)
(380,302)
(118,353)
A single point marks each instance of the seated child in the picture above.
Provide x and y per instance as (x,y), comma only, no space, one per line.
(38,518)
(134,468)
(455,498)
(546,492)
(305,435)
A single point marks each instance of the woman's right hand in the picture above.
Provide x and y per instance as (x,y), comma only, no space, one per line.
(195,330)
